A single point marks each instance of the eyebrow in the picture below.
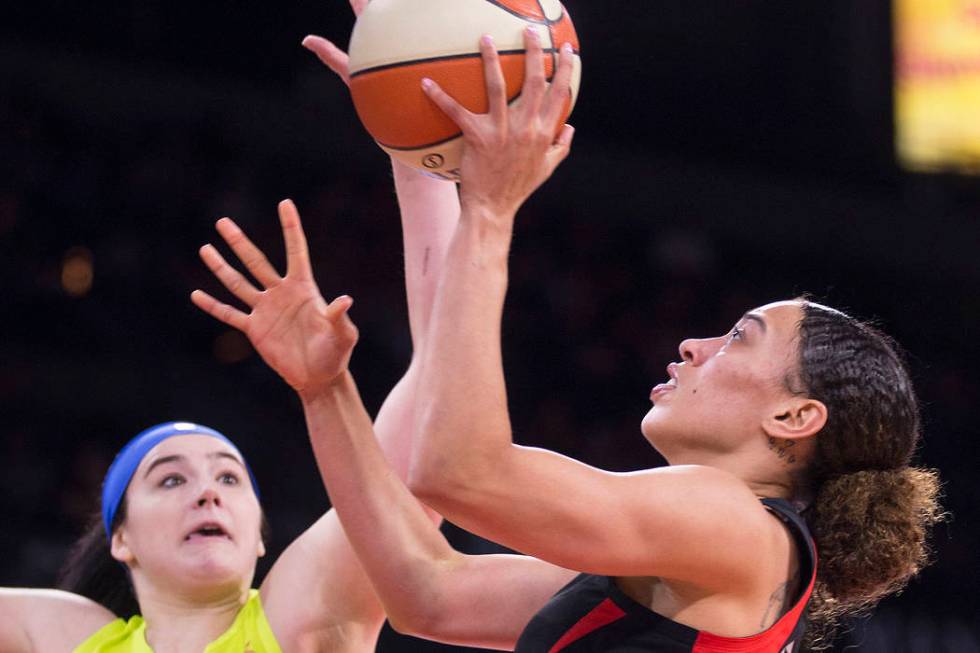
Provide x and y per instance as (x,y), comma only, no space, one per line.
(181,458)
(755,317)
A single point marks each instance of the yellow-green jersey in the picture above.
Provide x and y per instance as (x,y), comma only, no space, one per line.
(249,634)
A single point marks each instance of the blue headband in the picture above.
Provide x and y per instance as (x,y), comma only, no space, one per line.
(129,458)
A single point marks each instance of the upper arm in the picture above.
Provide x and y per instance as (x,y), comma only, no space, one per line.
(317,586)
(481,600)
(47,620)
(690,523)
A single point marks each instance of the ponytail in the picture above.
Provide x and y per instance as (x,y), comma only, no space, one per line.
(872,511)
(91,571)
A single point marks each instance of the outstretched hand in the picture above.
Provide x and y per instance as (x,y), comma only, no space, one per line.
(335,58)
(511,150)
(305,340)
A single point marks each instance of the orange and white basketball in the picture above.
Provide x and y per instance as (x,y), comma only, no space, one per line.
(396,43)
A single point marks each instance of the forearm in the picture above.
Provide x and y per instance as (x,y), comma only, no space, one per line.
(463,408)
(429,212)
(399,547)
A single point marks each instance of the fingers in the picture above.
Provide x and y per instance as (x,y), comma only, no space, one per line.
(453,109)
(561,86)
(338,308)
(358,6)
(493,77)
(334,58)
(297,251)
(535,83)
(337,314)
(250,255)
(229,276)
(561,147)
(221,312)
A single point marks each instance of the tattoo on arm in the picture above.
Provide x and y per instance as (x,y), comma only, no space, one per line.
(780,601)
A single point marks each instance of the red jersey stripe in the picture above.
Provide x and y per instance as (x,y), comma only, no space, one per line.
(602,615)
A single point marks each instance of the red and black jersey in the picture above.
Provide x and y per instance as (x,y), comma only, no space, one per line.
(591,615)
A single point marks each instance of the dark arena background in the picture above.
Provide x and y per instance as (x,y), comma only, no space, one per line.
(727,154)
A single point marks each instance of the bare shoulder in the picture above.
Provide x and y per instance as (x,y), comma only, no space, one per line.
(706,525)
(47,620)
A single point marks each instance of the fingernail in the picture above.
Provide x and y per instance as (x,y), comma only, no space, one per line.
(566,48)
(486,39)
(532,32)
(427,83)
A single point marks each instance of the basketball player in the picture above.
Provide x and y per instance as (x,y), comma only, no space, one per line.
(180,530)
(791,434)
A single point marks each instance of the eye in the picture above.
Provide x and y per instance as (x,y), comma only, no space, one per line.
(736,334)
(229,478)
(172,480)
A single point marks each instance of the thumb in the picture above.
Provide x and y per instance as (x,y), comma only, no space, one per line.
(561,148)
(334,58)
(337,309)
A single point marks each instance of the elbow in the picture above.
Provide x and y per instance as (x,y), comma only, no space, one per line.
(427,612)
(421,623)
(432,483)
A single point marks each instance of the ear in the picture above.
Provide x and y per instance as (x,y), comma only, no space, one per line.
(119,548)
(795,419)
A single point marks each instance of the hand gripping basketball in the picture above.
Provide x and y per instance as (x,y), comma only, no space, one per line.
(511,150)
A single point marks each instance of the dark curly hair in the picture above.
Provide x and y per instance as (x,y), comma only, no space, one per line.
(872,511)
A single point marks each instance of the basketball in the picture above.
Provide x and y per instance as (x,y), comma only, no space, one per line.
(396,43)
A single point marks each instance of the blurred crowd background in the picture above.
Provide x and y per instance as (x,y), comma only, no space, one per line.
(727,154)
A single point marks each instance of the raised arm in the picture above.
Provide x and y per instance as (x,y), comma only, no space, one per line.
(34,621)
(466,465)
(427,588)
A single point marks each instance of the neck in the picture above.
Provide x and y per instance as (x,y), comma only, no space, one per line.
(757,474)
(180,625)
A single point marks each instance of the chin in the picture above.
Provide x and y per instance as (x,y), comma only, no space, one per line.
(661,432)
(210,568)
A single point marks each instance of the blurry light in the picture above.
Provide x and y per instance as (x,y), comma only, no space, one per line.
(232,347)
(77,272)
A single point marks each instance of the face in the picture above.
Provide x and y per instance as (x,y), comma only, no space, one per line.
(726,389)
(193,521)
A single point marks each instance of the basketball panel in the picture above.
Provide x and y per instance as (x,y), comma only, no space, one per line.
(563,32)
(526,8)
(383,98)
(393,31)
(441,161)
(553,9)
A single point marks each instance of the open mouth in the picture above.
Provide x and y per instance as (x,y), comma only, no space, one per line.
(208,531)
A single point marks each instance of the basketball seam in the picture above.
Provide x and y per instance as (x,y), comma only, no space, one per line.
(520,15)
(444,57)
(544,13)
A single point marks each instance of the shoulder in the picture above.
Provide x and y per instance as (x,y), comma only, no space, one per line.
(52,619)
(704,524)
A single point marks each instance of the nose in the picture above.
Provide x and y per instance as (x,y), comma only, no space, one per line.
(697,350)
(208,496)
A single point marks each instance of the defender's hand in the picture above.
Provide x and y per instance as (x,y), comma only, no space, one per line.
(305,340)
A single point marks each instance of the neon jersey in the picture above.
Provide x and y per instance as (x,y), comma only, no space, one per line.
(592,615)
(250,633)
